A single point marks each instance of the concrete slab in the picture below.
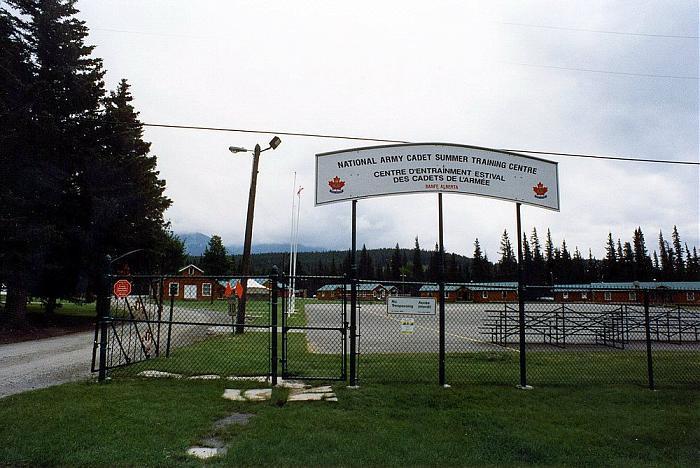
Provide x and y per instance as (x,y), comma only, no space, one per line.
(292,384)
(154,374)
(233,394)
(204,453)
(204,377)
(236,418)
(310,396)
(219,331)
(324,389)
(261,379)
(213,442)
(258,394)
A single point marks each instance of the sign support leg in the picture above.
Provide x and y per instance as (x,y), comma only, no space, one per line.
(353,299)
(521,304)
(441,357)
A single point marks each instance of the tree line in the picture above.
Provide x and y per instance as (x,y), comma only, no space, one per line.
(543,263)
(78,180)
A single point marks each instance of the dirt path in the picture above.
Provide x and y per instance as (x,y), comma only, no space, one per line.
(43,363)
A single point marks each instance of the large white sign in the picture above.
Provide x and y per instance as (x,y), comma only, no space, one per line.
(410,305)
(435,167)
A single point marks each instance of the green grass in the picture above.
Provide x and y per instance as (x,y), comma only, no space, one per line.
(64,308)
(139,422)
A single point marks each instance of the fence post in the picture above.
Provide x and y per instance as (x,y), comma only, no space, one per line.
(273,360)
(647,332)
(171,291)
(353,299)
(103,306)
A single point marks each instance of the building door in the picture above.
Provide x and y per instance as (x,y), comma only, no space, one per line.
(190,291)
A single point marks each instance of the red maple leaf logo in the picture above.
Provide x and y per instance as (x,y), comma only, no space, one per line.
(540,190)
(336,184)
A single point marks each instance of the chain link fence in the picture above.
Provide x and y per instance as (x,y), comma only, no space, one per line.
(569,335)
(186,325)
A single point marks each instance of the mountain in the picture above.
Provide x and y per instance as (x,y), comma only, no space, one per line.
(271,248)
(196,243)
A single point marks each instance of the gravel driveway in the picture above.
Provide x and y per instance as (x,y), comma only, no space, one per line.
(43,363)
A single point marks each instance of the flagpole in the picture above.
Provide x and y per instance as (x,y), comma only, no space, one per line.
(290,292)
(296,250)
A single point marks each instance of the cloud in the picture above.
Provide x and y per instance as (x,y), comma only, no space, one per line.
(420,72)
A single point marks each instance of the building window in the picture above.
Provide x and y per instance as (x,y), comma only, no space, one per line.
(690,296)
(173,289)
(503,294)
(633,296)
(191,271)
(484,294)
(608,295)
(206,289)
(584,295)
(565,295)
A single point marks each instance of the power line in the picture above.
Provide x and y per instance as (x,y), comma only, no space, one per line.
(383,140)
(606,72)
(599,31)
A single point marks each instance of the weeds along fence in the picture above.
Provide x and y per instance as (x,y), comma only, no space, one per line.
(333,328)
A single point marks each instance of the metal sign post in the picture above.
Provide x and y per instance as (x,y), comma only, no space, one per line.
(353,299)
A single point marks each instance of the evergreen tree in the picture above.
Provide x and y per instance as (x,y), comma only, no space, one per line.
(666,263)
(173,252)
(657,267)
(417,264)
(215,260)
(507,265)
(20,232)
(549,257)
(593,272)
(564,271)
(527,261)
(479,266)
(610,265)
(434,264)
(452,269)
(678,264)
(627,261)
(396,263)
(60,143)
(642,262)
(694,274)
(538,265)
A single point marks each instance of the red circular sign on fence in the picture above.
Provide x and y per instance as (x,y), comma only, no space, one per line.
(122,288)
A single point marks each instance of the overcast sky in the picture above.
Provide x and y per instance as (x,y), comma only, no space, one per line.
(476,73)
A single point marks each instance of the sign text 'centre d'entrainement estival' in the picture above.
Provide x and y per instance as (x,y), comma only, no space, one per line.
(434,167)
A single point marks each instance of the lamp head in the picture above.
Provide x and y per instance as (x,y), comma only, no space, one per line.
(237,149)
(275,142)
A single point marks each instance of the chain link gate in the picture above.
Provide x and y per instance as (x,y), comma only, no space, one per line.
(314,329)
(185,325)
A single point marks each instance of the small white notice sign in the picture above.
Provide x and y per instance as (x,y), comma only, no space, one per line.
(408,326)
(410,305)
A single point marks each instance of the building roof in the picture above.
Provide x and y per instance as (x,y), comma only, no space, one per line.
(436,288)
(673,285)
(494,286)
(251,283)
(190,265)
(360,287)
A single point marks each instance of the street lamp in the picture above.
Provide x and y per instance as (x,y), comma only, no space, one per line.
(245,261)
